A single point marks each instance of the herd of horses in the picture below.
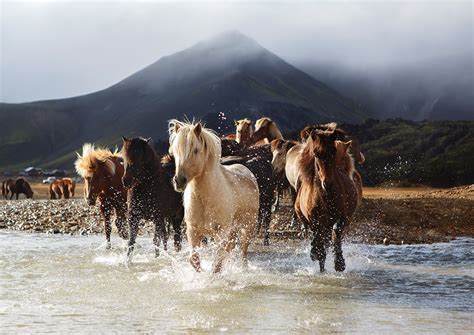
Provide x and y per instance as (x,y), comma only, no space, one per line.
(226,188)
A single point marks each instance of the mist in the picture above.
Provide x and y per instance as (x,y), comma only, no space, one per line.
(55,50)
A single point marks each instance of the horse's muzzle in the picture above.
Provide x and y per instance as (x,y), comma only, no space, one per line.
(179,183)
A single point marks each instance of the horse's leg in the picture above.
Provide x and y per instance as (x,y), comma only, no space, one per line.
(176,221)
(133,221)
(106,211)
(339,263)
(17,195)
(194,240)
(276,203)
(318,250)
(266,218)
(225,247)
(160,232)
(120,220)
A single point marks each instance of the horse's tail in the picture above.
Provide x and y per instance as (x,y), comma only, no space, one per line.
(4,189)
(52,195)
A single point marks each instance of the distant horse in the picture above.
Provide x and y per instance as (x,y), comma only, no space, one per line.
(327,197)
(102,171)
(279,149)
(258,160)
(266,130)
(15,187)
(345,162)
(60,187)
(219,201)
(341,135)
(151,193)
(243,132)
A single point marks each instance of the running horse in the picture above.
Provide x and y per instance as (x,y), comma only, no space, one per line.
(326,198)
(102,171)
(219,201)
(151,193)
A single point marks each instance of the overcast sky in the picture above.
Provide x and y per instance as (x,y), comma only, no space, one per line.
(52,49)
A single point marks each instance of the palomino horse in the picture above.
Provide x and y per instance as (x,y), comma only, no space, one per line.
(102,171)
(327,197)
(279,150)
(345,162)
(265,129)
(151,195)
(258,160)
(243,132)
(219,201)
(60,187)
(15,187)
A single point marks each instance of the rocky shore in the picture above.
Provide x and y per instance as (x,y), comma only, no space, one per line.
(423,217)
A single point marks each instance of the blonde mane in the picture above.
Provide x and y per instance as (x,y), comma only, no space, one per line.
(87,163)
(183,140)
(273,130)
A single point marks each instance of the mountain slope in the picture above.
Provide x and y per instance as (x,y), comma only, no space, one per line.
(230,74)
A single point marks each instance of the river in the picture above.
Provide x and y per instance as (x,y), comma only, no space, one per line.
(58,283)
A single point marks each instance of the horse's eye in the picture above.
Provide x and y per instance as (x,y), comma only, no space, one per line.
(195,151)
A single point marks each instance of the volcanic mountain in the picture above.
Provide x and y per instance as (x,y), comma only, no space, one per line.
(228,77)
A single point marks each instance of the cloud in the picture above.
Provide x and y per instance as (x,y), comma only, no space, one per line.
(53,50)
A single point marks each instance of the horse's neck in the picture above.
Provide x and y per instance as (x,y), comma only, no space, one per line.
(274,134)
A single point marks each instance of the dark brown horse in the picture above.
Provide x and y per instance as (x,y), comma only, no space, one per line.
(102,171)
(341,135)
(258,159)
(15,187)
(327,197)
(62,187)
(151,193)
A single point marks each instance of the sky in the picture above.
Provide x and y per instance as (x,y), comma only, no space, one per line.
(56,49)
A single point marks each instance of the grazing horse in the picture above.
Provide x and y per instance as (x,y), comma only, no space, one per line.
(151,194)
(60,187)
(265,129)
(279,150)
(327,197)
(219,201)
(341,135)
(102,171)
(258,160)
(15,187)
(243,132)
(345,162)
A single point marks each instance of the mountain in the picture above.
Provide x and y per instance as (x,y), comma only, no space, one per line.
(229,76)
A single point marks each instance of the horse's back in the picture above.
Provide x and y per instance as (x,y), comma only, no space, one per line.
(243,183)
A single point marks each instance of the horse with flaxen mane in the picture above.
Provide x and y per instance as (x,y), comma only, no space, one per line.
(258,160)
(62,187)
(265,130)
(16,187)
(151,193)
(327,197)
(102,171)
(219,201)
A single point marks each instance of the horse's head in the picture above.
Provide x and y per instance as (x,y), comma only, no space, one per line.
(28,191)
(244,131)
(137,155)
(97,168)
(194,148)
(324,149)
(265,128)
(279,149)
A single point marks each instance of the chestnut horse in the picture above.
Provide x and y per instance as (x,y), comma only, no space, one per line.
(102,171)
(266,130)
(345,162)
(60,187)
(15,187)
(258,160)
(327,197)
(219,201)
(151,195)
(243,132)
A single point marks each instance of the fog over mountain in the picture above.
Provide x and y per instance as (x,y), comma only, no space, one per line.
(411,59)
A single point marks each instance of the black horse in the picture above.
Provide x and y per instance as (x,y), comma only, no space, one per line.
(151,195)
(258,159)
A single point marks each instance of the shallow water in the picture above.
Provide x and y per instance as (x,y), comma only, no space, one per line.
(53,283)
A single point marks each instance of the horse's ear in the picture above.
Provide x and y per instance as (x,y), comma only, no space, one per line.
(236,122)
(148,140)
(197,129)
(125,139)
(347,145)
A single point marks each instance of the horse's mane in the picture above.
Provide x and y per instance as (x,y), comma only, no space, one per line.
(343,158)
(87,163)
(167,159)
(272,127)
(305,133)
(178,130)
(306,161)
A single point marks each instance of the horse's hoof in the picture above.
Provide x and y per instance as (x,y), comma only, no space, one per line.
(177,246)
(157,253)
(195,262)
(339,264)
(313,255)
(108,245)
(266,241)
